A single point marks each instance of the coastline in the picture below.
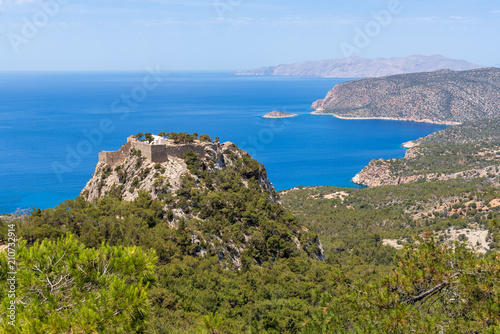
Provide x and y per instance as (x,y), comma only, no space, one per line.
(410,144)
(388,119)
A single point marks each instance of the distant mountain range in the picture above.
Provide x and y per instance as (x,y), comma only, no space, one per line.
(443,96)
(357,67)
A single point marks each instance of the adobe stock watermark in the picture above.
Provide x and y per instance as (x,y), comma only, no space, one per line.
(255,144)
(121,107)
(11,272)
(372,29)
(31,26)
(222,7)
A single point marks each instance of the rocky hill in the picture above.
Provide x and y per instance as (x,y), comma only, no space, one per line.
(159,175)
(445,96)
(357,67)
(215,191)
(467,151)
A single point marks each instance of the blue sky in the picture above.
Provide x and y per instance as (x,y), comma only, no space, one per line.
(237,34)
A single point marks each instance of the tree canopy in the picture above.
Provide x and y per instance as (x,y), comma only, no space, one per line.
(64,287)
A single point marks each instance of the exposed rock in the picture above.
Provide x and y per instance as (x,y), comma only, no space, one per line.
(392,243)
(476,238)
(133,168)
(357,67)
(410,144)
(339,194)
(377,175)
(216,191)
(444,97)
(494,203)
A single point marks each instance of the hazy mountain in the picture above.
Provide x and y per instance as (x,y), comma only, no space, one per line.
(357,67)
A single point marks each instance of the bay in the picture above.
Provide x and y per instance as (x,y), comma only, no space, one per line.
(53,125)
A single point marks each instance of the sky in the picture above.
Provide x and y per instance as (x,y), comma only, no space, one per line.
(110,35)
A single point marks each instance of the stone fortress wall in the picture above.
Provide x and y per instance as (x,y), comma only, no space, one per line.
(159,152)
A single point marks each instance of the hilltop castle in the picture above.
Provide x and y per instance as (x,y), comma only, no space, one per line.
(158,151)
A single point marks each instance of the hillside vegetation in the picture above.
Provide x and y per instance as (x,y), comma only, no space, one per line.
(352,223)
(467,151)
(219,252)
(432,282)
(228,256)
(443,97)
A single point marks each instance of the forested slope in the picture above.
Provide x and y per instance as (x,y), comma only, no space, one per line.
(220,254)
(467,151)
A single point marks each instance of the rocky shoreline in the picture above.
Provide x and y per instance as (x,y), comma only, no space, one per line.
(430,121)
(378,176)
(438,157)
(410,144)
(442,97)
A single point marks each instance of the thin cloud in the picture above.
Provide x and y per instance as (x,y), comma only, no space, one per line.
(438,19)
(16,5)
(177,3)
(154,23)
(22,2)
(212,3)
(285,21)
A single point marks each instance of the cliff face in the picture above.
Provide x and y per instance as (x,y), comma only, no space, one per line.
(442,97)
(467,151)
(378,173)
(357,67)
(132,169)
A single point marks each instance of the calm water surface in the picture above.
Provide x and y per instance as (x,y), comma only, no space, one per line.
(53,125)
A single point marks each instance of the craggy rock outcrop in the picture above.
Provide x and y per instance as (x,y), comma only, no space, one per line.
(357,67)
(378,173)
(445,97)
(135,171)
(215,191)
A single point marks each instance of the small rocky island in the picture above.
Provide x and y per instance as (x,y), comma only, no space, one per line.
(279,114)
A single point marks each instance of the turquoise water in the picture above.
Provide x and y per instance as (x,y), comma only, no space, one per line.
(53,125)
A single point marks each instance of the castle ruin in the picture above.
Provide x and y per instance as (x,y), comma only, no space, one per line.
(158,152)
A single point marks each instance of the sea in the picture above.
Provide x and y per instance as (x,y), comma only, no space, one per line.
(53,125)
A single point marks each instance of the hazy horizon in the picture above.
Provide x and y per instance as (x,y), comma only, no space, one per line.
(226,35)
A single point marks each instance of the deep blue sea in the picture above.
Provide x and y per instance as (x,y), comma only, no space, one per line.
(52,126)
